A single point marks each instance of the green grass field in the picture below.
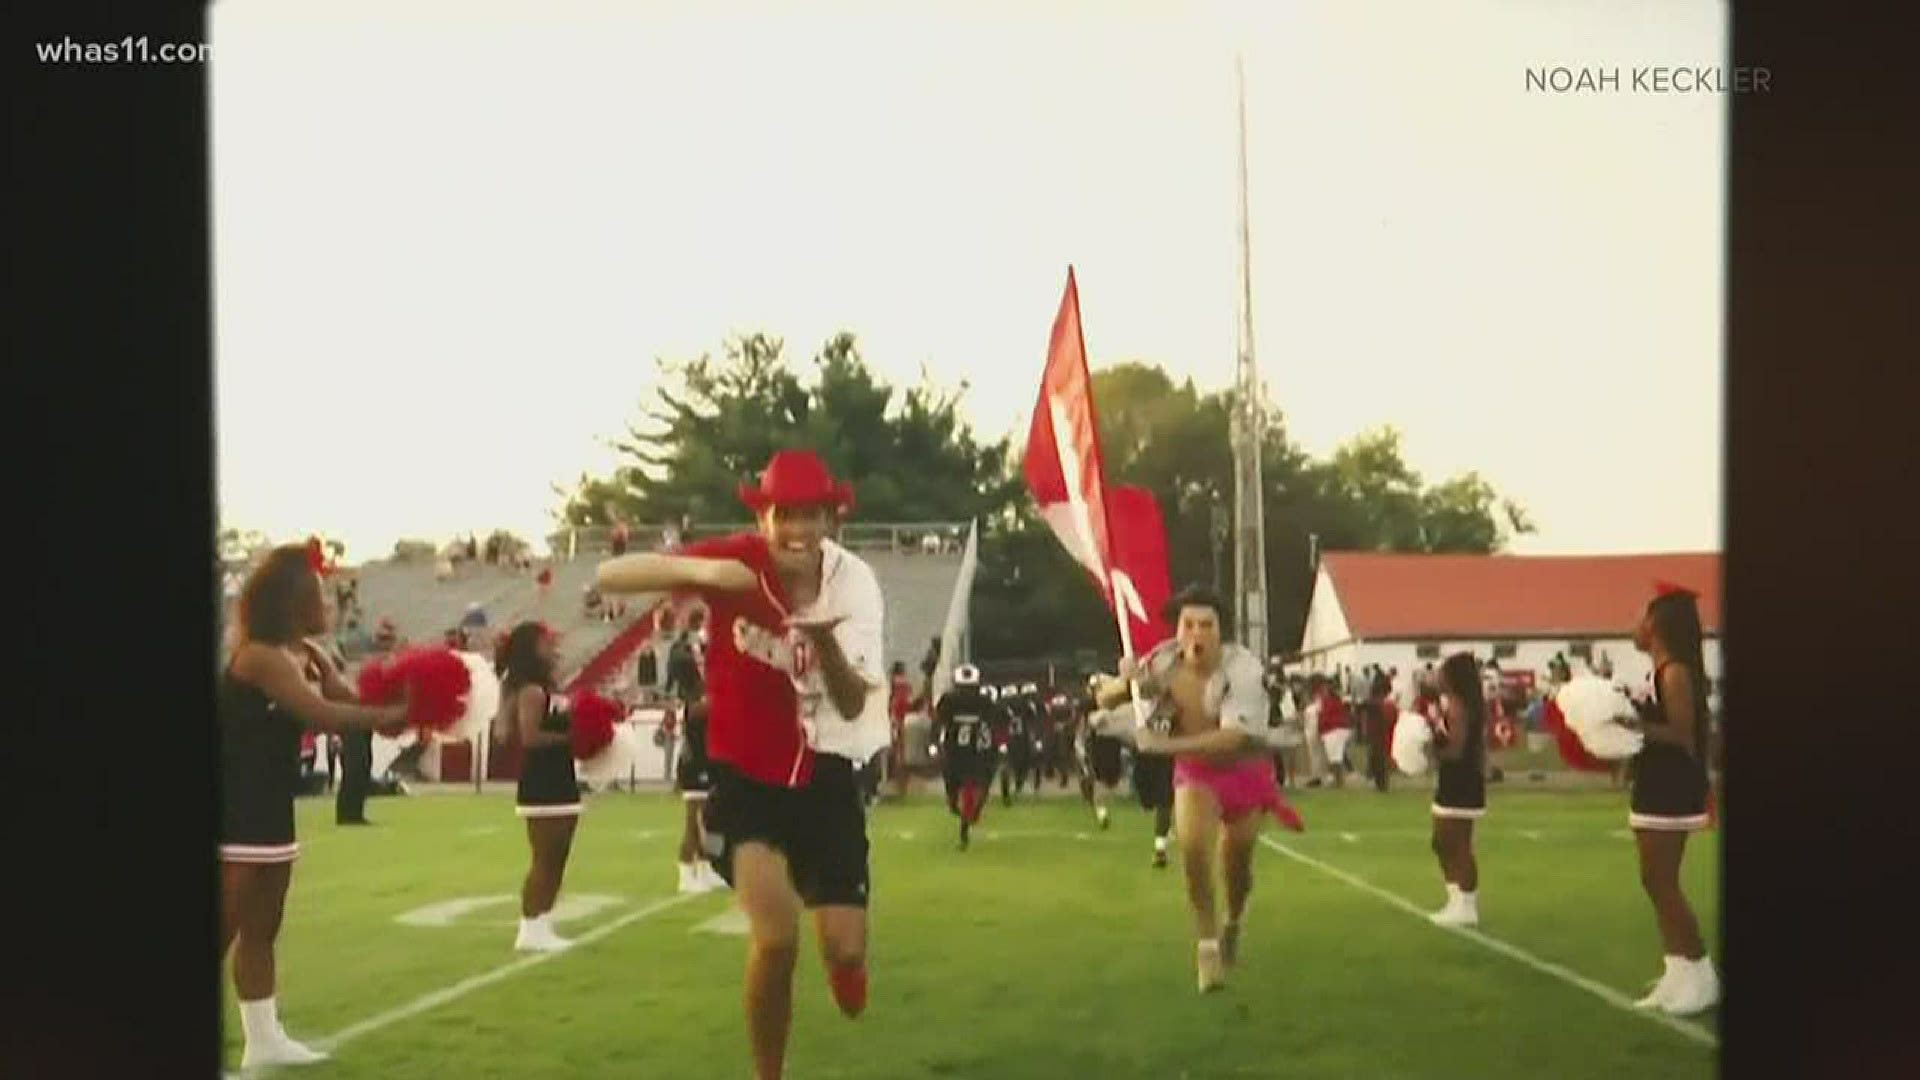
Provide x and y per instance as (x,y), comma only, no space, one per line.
(1051,949)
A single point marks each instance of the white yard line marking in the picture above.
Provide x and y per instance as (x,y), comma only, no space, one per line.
(1349,838)
(1691,1030)
(1530,834)
(731,922)
(907,835)
(488,978)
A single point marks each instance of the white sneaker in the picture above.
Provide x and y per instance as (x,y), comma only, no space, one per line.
(1458,915)
(712,877)
(539,937)
(690,878)
(1100,813)
(1657,997)
(1696,989)
(1663,988)
(280,1051)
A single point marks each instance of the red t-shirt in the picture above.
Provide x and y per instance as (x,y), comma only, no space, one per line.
(753,722)
(902,702)
(1333,713)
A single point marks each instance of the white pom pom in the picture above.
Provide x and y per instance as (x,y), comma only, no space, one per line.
(1412,738)
(616,761)
(1595,709)
(483,700)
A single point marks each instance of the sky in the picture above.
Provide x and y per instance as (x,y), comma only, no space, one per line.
(451,238)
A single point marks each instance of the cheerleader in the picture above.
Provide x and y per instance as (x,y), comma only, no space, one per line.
(276,685)
(1669,798)
(548,795)
(1460,792)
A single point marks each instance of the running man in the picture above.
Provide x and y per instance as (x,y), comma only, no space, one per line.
(963,737)
(1209,711)
(797,695)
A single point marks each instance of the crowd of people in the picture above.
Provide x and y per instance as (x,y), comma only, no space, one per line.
(786,715)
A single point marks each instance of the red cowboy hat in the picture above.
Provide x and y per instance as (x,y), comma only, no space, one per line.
(797,478)
(1663,589)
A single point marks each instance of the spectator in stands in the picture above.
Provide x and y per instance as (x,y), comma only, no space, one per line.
(473,549)
(620,538)
(545,581)
(354,641)
(684,681)
(386,638)
(646,669)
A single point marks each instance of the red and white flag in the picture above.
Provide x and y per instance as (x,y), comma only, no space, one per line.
(1064,467)
(1116,534)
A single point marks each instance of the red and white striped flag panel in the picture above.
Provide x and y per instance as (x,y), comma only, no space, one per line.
(1064,468)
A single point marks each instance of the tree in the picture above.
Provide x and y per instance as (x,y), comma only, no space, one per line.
(1173,441)
(508,543)
(712,424)
(240,545)
(406,550)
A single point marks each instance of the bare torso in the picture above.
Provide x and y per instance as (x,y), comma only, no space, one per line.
(1188,689)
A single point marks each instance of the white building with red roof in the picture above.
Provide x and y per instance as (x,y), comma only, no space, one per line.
(1406,611)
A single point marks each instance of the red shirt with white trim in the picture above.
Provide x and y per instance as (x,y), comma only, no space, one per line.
(753,722)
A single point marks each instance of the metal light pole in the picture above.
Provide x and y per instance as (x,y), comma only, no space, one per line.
(1248,432)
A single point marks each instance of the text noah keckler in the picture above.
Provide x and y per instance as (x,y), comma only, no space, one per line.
(1651,79)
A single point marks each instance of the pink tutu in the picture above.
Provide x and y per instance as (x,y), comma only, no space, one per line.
(1242,787)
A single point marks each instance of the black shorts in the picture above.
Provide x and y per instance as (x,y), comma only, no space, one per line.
(1669,790)
(256,824)
(693,772)
(1460,790)
(1103,755)
(548,785)
(958,766)
(1153,780)
(820,828)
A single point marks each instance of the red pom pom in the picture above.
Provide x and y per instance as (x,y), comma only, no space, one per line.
(378,684)
(437,679)
(594,718)
(1572,750)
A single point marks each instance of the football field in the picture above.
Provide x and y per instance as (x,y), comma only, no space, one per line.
(1050,949)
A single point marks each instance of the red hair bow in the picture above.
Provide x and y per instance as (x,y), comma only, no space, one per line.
(317,556)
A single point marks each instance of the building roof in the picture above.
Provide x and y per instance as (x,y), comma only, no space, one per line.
(1511,596)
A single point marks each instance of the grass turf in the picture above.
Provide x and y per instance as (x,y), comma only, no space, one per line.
(1050,949)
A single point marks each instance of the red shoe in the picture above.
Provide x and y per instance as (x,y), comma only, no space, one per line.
(1289,817)
(849,989)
